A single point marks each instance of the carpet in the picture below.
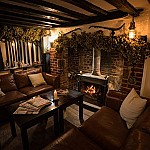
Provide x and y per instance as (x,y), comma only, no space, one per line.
(41,134)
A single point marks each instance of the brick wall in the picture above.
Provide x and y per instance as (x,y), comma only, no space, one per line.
(112,64)
(126,85)
(59,66)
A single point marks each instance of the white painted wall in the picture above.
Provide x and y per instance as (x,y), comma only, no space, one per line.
(145,89)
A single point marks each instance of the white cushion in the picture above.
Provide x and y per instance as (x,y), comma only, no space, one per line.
(37,79)
(132,107)
(1,93)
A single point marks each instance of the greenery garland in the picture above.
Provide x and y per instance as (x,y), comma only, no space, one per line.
(32,35)
(133,50)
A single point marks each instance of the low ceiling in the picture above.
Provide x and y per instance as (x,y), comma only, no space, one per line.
(62,13)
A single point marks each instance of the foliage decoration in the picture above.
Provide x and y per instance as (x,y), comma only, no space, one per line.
(79,41)
(132,50)
(61,43)
(10,33)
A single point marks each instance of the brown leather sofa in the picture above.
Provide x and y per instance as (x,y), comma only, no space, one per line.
(18,87)
(105,130)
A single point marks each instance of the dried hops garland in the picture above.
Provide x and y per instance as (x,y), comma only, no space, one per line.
(32,35)
(133,50)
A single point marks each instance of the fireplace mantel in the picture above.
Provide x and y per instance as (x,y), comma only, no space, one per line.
(88,77)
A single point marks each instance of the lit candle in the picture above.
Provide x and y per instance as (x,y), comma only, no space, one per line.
(80,72)
(55,95)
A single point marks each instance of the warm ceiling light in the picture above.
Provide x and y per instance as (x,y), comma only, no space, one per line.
(132,29)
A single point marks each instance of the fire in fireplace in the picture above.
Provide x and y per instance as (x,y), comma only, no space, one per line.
(92,91)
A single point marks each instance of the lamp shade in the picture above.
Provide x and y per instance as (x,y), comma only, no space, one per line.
(132,33)
(132,29)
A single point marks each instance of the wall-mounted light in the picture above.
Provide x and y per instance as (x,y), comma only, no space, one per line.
(132,29)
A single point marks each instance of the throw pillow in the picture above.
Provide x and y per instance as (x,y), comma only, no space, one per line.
(7,83)
(22,80)
(37,79)
(132,107)
(1,93)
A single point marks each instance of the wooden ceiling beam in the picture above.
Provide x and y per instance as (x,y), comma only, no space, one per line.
(29,8)
(124,6)
(33,12)
(35,17)
(19,23)
(16,19)
(3,23)
(47,3)
(115,14)
(87,6)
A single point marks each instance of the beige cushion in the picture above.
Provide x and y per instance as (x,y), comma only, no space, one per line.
(132,107)
(37,79)
(1,93)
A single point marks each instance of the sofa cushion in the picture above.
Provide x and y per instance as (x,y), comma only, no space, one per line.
(1,93)
(32,91)
(106,128)
(37,79)
(73,140)
(22,80)
(7,83)
(11,97)
(52,79)
(114,99)
(143,122)
(137,140)
(132,107)
(34,71)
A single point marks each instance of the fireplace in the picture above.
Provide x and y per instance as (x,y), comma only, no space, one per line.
(93,87)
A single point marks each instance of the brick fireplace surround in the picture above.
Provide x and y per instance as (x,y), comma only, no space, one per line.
(111,64)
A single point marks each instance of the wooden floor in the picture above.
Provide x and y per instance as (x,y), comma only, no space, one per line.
(42,134)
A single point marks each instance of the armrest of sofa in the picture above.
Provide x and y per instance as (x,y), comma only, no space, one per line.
(52,80)
(114,99)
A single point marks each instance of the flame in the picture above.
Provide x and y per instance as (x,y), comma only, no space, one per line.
(90,90)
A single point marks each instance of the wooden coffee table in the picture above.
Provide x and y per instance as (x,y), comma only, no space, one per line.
(64,101)
(55,109)
(25,121)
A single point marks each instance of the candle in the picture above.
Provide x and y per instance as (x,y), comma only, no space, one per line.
(55,95)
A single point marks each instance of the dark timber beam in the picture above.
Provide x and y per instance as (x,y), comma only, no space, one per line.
(19,23)
(125,6)
(3,22)
(28,8)
(34,17)
(87,6)
(115,14)
(48,4)
(15,18)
